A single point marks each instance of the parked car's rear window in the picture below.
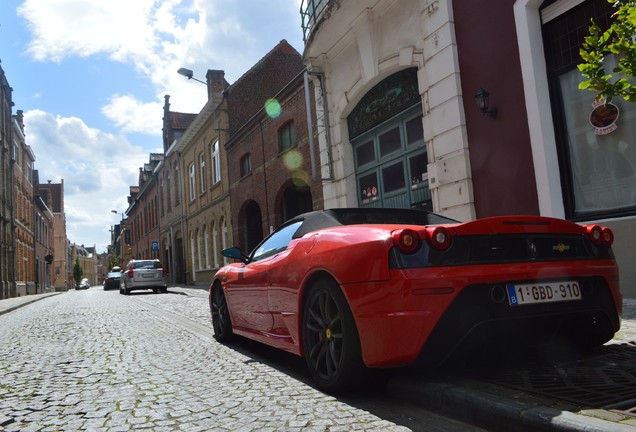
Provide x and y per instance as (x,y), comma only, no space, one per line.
(147,264)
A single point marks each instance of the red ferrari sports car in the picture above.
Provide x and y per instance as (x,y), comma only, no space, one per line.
(349,288)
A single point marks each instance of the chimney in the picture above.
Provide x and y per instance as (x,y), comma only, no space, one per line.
(216,83)
(20,118)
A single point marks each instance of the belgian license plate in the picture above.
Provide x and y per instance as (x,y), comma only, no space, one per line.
(548,292)
(147,275)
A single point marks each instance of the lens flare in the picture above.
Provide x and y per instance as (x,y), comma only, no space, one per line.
(272,108)
(293,160)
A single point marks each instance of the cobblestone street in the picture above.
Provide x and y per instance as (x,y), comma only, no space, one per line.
(95,360)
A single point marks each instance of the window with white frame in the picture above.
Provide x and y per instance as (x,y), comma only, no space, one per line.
(202,171)
(193,256)
(224,238)
(177,186)
(216,163)
(206,246)
(193,184)
(199,249)
(215,245)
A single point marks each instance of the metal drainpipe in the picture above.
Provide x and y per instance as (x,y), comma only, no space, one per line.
(321,80)
(310,126)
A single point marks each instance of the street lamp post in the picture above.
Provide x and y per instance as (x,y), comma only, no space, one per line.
(189,74)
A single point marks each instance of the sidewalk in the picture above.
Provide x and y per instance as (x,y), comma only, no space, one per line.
(14,303)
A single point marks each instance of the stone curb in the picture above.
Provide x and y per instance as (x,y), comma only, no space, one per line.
(511,410)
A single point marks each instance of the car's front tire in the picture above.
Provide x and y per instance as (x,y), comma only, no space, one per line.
(221,321)
(330,338)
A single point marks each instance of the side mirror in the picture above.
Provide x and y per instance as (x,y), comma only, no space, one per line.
(234,253)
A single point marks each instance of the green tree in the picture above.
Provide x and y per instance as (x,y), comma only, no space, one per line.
(620,40)
(112,261)
(78,272)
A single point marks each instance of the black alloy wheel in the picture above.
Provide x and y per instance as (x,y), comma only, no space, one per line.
(330,338)
(221,321)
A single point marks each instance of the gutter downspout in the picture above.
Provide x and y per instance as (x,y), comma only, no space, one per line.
(321,80)
(310,125)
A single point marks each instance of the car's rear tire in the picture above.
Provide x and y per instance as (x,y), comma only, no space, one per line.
(221,321)
(330,338)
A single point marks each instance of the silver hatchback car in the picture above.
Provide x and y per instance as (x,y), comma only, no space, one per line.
(143,274)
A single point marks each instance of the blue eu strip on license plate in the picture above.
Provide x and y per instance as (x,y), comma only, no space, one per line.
(546,292)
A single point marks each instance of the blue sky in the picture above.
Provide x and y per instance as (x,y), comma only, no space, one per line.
(91,75)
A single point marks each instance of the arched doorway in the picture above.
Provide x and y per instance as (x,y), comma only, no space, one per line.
(296,200)
(387,137)
(252,227)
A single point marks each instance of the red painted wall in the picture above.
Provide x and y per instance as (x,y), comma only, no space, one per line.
(500,152)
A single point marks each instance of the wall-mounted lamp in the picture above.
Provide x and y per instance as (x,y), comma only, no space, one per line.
(189,74)
(481,97)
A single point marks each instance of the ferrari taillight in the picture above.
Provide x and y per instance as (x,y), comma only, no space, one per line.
(595,233)
(608,236)
(439,238)
(406,240)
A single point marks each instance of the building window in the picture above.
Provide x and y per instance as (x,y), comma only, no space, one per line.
(193,256)
(597,152)
(246,165)
(216,163)
(168,193)
(177,189)
(161,200)
(224,238)
(202,171)
(215,245)
(206,243)
(193,184)
(199,251)
(286,136)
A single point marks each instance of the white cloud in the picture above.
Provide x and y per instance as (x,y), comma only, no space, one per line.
(155,37)
(132,115)
(158,37)
(86,27)
(97,169)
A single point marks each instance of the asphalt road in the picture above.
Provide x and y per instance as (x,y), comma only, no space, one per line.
(96,360)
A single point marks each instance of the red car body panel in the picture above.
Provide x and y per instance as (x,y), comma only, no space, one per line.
(395,310)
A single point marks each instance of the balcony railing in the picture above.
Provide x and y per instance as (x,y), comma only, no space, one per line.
(311,12)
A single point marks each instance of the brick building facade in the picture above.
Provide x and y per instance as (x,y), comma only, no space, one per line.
(272,177)
(62,263)
(171,212)
(142,214)
(23,159)
(43,232)
(7,232)
(205,183)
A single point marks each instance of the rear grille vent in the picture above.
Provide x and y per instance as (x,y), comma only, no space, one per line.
(495,249)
